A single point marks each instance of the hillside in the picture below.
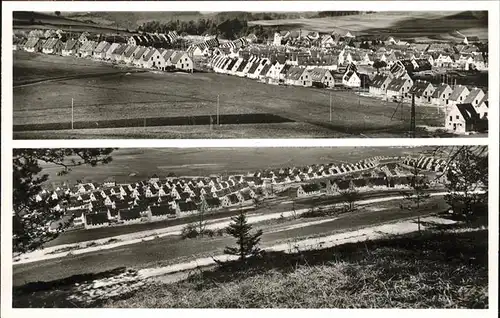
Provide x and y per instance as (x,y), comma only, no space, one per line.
(432,270)
(26,20)
(401,24)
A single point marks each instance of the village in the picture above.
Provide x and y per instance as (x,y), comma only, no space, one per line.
(388,69)
(91,205)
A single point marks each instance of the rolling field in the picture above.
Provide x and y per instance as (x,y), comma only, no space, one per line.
(155,94)
(136,164)
(425,25)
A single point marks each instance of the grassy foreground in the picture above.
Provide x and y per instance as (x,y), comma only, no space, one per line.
(432,270)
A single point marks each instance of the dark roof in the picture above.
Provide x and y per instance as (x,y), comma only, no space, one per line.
(378,80)
(130,214)
(468,112)
(162,210)
(96,218)
(187,206)
(311,187)
(440,90)
(419,87)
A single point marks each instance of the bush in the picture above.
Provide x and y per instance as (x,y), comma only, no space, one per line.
(189,231)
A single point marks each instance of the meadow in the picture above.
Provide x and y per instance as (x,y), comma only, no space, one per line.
(137,95)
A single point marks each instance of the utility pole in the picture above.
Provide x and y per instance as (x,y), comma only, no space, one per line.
(72,114)
(412,121)
(330,106)
(217,110)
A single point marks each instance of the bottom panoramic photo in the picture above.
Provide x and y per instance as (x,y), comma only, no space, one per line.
(328,227)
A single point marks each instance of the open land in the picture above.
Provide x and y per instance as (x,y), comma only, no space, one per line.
(141,98)
(398,24)
(129,165)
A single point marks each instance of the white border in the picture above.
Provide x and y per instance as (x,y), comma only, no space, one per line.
(8,143)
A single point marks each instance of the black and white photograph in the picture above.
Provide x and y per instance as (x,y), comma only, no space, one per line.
(330,227)
(240,158)
(239,74)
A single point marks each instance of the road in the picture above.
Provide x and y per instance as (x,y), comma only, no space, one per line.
(173,249)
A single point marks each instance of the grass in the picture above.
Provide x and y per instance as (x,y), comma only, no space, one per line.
(432,270)
(140,95)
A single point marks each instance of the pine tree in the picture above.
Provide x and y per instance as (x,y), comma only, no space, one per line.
(247,243)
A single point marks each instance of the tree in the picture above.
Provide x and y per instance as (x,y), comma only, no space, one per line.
(467,182)
(33,213)
(379,64)
(415,197)
(58,13)
(247,244)
(349,198)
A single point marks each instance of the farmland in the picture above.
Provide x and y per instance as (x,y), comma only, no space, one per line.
(138,95)
(399,24)
(131,165)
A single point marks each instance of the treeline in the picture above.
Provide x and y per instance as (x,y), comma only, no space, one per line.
(324,14)
(227,29)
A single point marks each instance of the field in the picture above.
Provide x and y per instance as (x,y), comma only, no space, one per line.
(171,250)
(433,270)
(136,164)
(26,20)
(418,25)
(118,95)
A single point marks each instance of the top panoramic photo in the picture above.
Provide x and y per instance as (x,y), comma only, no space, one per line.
(322,74)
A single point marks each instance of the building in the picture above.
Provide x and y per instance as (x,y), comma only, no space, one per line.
(423,91)
(70,48)
(475,96)
(33,44)
(463,118)
(379,84)
(351,79)
(441,95)
(298,76)
(181,61)
(458,95)
(321,77)
(101,49)
(399,88)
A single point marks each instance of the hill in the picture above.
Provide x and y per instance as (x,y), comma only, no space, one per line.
(45,20)
(401,24)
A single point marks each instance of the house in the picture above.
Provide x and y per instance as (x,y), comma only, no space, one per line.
(164,62)
(128,55)
(181,61)
(33,44)
(479,63)
(423,91)
(399,88)
(108,55)
(441,95)
(463,118)
(78,217)
(186,208)
(100,50)
(151,58)
(139,55)
(351,79)
(482,108)
(118,53)
(475,96)
(379,84)
(458,95)
(95,220)
(275,71)
(70,48)
(321,77)
(87,48)
(129,216)
(308,190)
(161,212)
(298,76)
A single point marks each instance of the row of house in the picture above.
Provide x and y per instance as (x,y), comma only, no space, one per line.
(138,56)
(276,73)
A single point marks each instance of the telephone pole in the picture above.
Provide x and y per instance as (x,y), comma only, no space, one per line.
(330,106)
(217,110)
(412,120)
(72,115)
